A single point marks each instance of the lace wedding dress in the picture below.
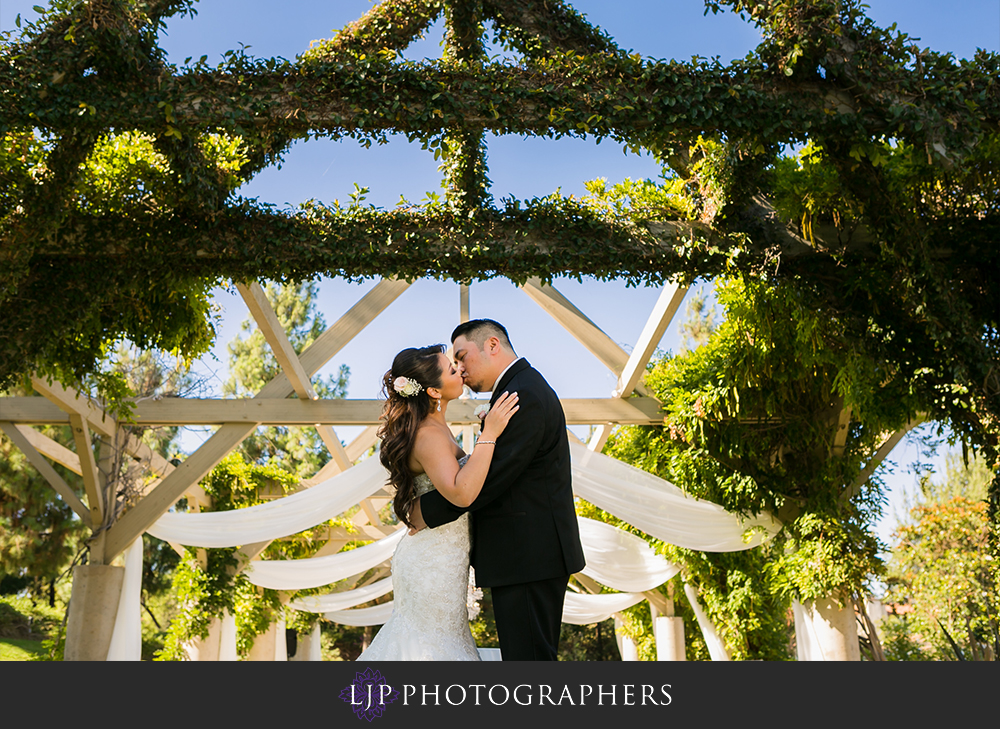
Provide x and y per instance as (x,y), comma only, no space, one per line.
(430,584)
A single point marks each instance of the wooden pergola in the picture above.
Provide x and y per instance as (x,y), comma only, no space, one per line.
(616,98)
(289,400)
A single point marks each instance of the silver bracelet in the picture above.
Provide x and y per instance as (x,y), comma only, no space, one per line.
(486,442)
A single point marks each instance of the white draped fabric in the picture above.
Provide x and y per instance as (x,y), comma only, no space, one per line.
(615,558)
(716,648)
(646,501)
(376,615)
(342,600)
(661,509)
(587,609)
(620,559)
(303,574)
(278,518)
(577,610)
(126,640)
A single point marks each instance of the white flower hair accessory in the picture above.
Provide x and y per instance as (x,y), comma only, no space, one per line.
(406,387)
(481,411)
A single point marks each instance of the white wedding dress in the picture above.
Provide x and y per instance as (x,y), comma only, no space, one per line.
(430,584)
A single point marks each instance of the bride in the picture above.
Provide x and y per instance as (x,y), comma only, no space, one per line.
(430,569)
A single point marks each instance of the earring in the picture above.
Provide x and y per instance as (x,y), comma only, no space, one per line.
(439,406)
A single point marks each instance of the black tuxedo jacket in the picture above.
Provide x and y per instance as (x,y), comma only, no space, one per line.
(524,525)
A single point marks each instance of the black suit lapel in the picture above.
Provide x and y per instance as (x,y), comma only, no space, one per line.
(519,366)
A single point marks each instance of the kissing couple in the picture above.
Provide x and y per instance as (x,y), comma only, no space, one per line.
(510,499)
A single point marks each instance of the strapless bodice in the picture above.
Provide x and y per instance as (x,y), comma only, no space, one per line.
(422,482)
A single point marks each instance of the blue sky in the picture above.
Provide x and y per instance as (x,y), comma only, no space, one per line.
(519,167)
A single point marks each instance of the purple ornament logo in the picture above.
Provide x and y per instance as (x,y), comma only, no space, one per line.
(369,694)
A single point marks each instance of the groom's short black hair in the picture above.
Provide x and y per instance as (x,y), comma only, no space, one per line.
(479,330)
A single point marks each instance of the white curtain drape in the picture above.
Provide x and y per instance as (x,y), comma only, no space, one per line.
(577,610)
(615,558)
(716,647)
(588,609)
(342,600)
(278,518)
(620,559)
(646,501)
(661,509)
(360,617)
(126,639)
(303,574)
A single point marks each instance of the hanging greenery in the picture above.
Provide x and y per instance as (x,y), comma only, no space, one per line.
(119,171)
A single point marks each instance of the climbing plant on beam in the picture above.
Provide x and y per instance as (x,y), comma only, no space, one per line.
(904,139)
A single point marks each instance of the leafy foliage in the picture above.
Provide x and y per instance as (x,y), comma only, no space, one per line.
(867,262)
(943,573)
(902,151)
(751,420)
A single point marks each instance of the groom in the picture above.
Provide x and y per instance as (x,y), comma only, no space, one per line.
(525,534)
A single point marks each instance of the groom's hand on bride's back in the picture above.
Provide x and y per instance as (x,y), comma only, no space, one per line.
(416,518)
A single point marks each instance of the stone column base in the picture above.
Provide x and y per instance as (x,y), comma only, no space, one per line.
(93,607)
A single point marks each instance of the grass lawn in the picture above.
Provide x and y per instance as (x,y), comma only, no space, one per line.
(13,649)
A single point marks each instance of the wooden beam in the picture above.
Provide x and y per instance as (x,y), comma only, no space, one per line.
(589,583)
(463,303)
(100,422)
(88,468)
(840,436)
(51,449)
(364,440)
(576,323)
(354,450)
(249,552)
(351,324)
(61,402)
(142,516)
(276,337)
(630,378)
(18,438)
(338,454)
(283,411)
(659,319)
(600,436)
(73,403)
(890,442)
(659,602)
(32,411)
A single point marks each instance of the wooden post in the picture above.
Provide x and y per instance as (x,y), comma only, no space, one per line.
(93,607)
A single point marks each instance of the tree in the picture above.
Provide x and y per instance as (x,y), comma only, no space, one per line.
(942,573)
(699,321)
(751,423)
(252,364)
(39,532)
(887,230)
(905,140)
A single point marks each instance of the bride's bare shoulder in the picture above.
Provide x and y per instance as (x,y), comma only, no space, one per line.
(430,442)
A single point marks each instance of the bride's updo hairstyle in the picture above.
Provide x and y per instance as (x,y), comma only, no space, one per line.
(402,415)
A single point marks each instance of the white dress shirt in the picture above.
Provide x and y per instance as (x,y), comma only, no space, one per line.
(497,381)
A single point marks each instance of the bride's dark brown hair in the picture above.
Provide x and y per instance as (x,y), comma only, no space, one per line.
(401,417)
